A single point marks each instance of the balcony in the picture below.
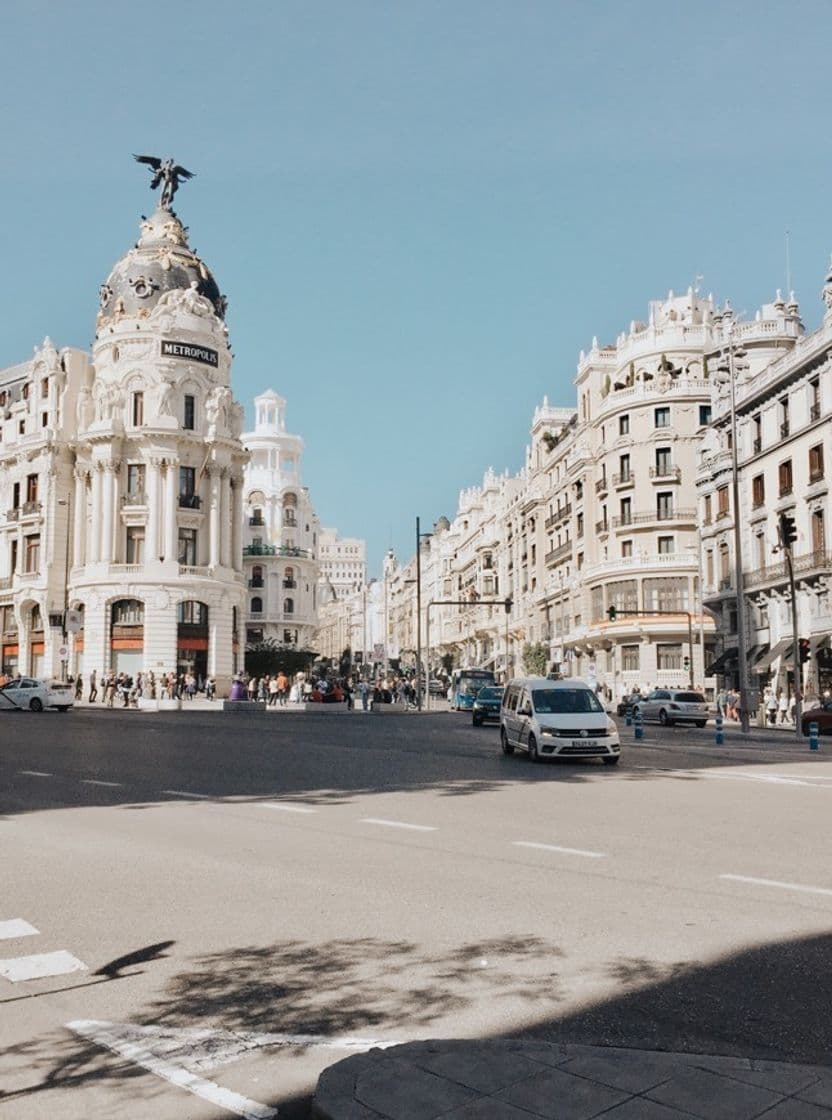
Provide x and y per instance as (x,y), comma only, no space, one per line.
(623,480)
(256,582)
(601,485)
(721,514)
(621,521)
(13,514)
(275,550)
(290,584)
(666,473)
(726,583)
(809,563)
(560,514)
(29,509)
(559,553)
(257,521)
(137,498)
(290,521)
(5,582)
(601,527)
(189,501)
(194,570)
(655,515)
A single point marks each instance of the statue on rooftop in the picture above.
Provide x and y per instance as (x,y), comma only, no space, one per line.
(167,172)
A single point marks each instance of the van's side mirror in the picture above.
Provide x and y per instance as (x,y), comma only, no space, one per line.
(525,709)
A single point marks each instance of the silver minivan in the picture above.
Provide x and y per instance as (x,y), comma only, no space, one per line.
(557,719)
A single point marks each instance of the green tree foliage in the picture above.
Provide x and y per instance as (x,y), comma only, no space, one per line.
(535,658)
(267,657)
(447,663)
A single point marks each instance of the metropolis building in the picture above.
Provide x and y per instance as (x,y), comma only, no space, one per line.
(121,481)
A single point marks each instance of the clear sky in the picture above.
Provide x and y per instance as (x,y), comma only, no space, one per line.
(420,210)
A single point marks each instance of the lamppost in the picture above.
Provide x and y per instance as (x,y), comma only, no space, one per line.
(419,536)
(737,363)
(67,501)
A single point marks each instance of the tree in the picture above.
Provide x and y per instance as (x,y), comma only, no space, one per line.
(345,662)
(447,660)
(535,658)
(267,657)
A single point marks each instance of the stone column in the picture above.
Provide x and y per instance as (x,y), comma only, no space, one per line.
(225,518)
(94,535)
(214,506)
(107,507)
(151,544)
(236,522)
(80,514)
(171,509)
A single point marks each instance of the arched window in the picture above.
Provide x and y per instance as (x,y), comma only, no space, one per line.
(192,613)
(256,605)
(288,606)
(289,578)
(290,505)
(256,576)
(128,612)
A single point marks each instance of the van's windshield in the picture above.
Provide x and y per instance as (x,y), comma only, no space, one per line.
(558,700)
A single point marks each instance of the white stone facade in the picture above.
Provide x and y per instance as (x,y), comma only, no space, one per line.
(281,533)
(139,465)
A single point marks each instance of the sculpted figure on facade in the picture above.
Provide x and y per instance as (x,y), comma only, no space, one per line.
(163,405)
(84,408)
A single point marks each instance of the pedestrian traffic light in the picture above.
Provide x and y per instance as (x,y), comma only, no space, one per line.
(788,530)
(507,605)
(612,614)
(803,650)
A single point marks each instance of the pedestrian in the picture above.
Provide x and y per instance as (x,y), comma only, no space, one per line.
(282,688)
(274,691)
(792,705)
(783,707)
(93,688)
(261,690)
(79,687)
(771,706)
(210,688)
(252,689)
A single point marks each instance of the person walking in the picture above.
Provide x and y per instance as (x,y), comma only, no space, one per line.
(79,687)
(274,690)
(364,689)
(771,706)
(282,688)
(783,708)
(93,687)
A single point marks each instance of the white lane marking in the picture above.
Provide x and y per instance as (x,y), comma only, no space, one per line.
(132,1043)
(16,927)
(776,883)
(96,782)
(35,773)
(557,848)
(398,824)
(40,965)
(284,807)
(187,793)
(773,779)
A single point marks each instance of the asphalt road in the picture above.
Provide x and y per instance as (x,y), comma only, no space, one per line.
(244,899)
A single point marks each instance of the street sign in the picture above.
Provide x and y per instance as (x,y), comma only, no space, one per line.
(63,653)
(74,621)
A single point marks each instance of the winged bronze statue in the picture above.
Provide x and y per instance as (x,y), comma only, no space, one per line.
(167,172)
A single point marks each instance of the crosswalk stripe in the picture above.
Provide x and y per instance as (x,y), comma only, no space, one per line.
(16,927)
(40,965)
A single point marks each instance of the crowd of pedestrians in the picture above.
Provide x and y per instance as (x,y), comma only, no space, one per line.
(110,687)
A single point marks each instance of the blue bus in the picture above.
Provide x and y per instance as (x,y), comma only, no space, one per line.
(465,684)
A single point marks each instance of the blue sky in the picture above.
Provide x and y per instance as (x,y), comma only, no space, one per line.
(420,211)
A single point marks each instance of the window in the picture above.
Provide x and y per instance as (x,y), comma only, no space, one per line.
(31,488)
(44,386)
(784,417)
(256,605)
(138,409)
(760,542)
(135,544)
(624,425)
(724,568)
(814,399)
(254,635)
(704,415)
(135,479)
(667,546)
(756,433)
(187,546)
(661,417)
(663,461)
(13,556)
(128,612)
(597,602)
(758,491)
(288,606)
(669,656)
(816,463)
(818,531)
(623,595)
(784,476)
(289,578)
(290,637)
(709,568)
(722,502)
(580,561)
(664,505)
(189,416)
(666,593)
(32,553)
(707,509)
(626,548)
(630,659)
(187,487)
(192,613)
(624,467)
(626,511)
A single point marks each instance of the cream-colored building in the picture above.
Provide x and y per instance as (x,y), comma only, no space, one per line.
(281,533)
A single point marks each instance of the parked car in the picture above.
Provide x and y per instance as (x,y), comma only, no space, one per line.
(673,705)
(632,699)
(487,704)
(557,719)
(821,715)
(35,695)
(437,687)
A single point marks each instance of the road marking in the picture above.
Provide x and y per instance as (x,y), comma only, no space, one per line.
(182,1055)
(398,824)
(35,773)
(186,793)
(16,927)
(557,848)
(776,883)
(96,782)
(40,965)
(284,807)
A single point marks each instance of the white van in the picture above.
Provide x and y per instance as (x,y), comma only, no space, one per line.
(557,719)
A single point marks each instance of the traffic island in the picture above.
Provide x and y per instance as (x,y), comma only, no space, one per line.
(241,706)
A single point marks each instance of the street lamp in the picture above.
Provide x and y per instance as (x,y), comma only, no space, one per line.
(67,501)
(419,536)
(737,362)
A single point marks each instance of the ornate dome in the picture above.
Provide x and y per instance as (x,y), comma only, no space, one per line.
(161,261)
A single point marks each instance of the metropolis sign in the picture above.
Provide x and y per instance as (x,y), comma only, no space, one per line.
(189,353)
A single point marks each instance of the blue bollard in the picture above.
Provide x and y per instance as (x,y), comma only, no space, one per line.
(639,724)
(628,715)
(720,734)
(813,736)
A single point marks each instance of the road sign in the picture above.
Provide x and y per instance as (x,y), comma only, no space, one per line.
(63,653)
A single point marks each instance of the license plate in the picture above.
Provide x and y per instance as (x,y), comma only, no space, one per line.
(584,743)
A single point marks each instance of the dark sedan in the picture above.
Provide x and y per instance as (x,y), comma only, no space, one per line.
(821,715)
(487,704)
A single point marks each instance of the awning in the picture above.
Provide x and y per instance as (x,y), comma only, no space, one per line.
(781,649)
(818,642)
(725,661)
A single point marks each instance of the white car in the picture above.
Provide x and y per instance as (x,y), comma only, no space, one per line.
(29,694)
(673,705)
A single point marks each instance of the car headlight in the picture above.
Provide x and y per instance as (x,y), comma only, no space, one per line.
(476,705)
(611,727)
(547,734)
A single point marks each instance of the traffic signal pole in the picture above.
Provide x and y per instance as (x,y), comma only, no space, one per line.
(798,665)
(612,615)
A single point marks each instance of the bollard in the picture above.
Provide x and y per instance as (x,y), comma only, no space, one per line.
(720,734)
(639,724)
(813,736)
(628,715)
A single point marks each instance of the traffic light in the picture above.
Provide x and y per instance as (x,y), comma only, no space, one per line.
(686,663)
(507,605)
(803,650)
(788,531)
(612,613)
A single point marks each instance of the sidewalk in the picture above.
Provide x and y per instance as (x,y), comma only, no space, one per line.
(518,1080)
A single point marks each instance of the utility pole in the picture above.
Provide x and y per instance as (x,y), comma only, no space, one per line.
(788,535)
(418,616)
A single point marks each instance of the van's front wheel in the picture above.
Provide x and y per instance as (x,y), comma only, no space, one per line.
(504,743)
(533,755)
